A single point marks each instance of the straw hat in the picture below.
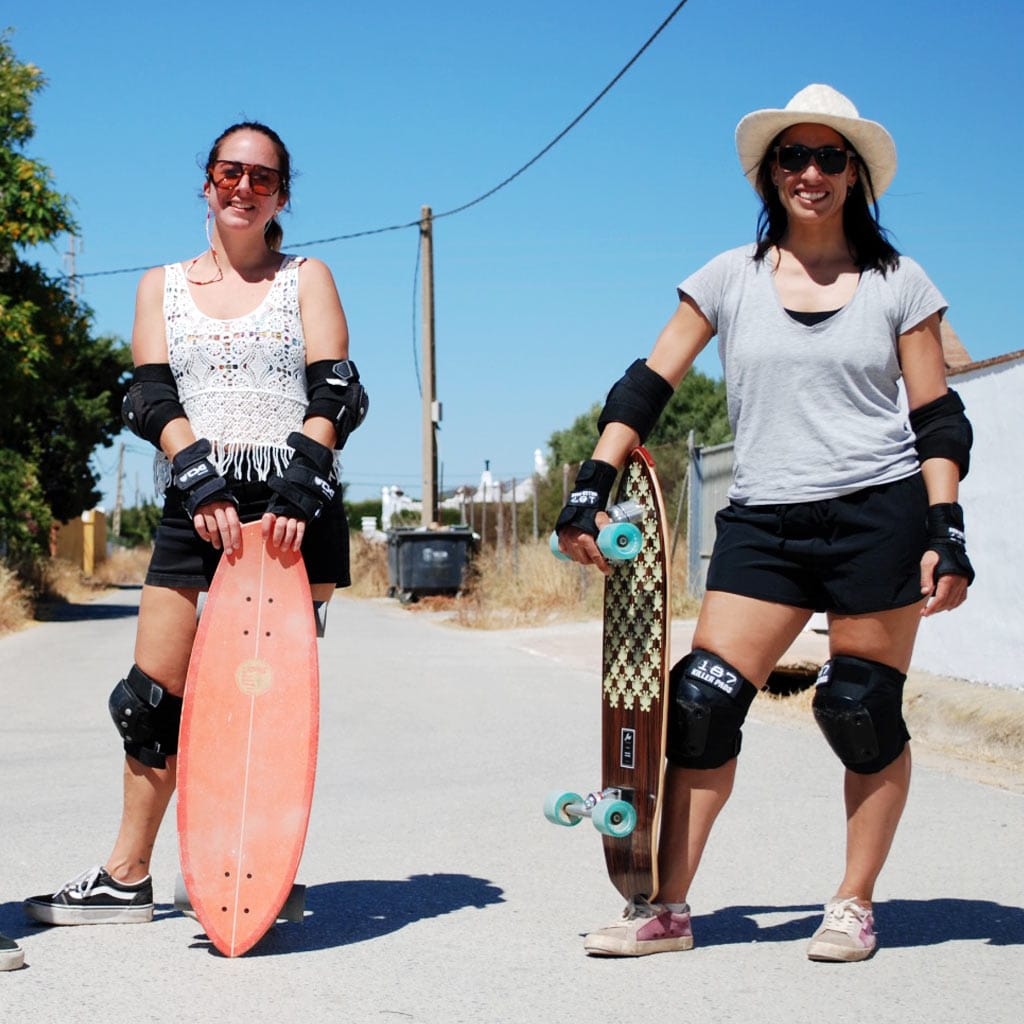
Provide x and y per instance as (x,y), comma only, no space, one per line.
(819,104)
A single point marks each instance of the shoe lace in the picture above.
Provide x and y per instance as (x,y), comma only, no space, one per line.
(82,884)
(846,916)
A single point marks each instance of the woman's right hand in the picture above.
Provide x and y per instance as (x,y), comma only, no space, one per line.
(582,547)
(217,523)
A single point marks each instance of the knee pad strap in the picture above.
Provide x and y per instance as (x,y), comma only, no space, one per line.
(858,705)
(147,717)
(709,700)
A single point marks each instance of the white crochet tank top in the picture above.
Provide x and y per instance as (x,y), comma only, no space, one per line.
(242,382)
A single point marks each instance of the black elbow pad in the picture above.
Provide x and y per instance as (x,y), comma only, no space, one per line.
(637,399)
(943,431)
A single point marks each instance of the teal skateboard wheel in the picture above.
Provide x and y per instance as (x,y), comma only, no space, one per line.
(555,805)
(619,542)
(616,818)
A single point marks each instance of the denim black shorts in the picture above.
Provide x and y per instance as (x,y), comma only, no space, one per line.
(182,559)
(851,555)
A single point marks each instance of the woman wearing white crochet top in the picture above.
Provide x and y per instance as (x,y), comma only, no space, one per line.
(243,383)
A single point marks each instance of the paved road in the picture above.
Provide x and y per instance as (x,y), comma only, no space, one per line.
(438,894)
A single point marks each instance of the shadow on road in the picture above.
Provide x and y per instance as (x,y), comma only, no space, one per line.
(900,923)
(89,611)
(343,913)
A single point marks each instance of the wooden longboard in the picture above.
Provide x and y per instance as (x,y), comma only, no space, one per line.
(247,755)
(634,691)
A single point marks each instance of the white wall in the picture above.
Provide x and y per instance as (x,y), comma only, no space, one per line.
(983,640)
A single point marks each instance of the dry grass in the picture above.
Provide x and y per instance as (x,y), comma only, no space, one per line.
(25,595)
(15,602)
(501,592)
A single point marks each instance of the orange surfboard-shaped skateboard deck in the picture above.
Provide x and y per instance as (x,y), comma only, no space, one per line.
(247,756)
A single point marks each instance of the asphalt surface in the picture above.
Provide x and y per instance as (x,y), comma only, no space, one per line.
(437,891)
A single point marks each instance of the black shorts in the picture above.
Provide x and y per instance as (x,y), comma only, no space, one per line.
(851,555)
(182,559)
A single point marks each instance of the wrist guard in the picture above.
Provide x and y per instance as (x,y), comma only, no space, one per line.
(589,496)
(946,537)
(304,489)
(197,479)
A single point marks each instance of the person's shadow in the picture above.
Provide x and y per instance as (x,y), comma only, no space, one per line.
(899,923)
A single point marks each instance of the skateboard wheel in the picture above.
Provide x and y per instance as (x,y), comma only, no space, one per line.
(553,544)
(615,818)
(555,807)
(620,541)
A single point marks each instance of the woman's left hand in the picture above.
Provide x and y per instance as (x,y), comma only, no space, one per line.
(946,593)
(283,532)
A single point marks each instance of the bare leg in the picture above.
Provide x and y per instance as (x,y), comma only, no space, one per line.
(874,803)
(167,626)
(751,635)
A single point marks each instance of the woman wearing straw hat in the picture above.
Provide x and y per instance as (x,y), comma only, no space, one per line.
(841,502)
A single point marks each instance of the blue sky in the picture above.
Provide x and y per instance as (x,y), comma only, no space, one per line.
(547,290)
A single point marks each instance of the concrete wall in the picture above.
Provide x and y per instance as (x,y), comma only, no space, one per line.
(983,640)
(83,541)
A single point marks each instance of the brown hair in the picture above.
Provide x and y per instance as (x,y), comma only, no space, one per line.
(273,232)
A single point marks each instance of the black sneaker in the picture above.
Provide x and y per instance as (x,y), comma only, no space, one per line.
(11,956)
(94,898)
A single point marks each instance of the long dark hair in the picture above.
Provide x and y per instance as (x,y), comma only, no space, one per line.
(273,233)
(867,240)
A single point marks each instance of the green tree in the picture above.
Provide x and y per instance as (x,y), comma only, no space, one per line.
(61,386)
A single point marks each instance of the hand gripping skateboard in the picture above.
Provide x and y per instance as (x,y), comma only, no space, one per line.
(626,809)
(247,755)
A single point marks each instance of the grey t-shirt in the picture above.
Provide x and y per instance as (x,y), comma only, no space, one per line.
(816,410)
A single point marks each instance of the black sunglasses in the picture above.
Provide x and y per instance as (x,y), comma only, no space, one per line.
(227,174)
(830,159)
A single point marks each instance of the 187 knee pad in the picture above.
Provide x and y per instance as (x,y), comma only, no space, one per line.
(708,701)
(147,717)
(858,704)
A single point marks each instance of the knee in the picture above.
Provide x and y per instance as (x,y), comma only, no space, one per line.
(858,705)
(708,702)
(147,716)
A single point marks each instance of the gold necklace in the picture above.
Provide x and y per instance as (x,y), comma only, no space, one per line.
(212,280)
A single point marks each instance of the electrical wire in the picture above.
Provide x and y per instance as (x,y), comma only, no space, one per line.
(484,195)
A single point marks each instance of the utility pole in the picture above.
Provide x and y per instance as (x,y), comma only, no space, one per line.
(119,500)
(74,286)
(431,407)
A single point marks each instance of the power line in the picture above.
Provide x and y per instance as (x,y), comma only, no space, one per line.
(484,195)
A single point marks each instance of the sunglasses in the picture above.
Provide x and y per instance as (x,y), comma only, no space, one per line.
(228,174)
(830,159)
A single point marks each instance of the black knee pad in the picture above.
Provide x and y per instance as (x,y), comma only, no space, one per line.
(858,704)
(147,717)
(708,701)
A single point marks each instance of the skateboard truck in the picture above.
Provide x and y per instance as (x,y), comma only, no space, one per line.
(611,810)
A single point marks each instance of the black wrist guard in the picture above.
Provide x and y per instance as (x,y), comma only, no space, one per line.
(946,536)
(197,479)
(305,488)
(589,496)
